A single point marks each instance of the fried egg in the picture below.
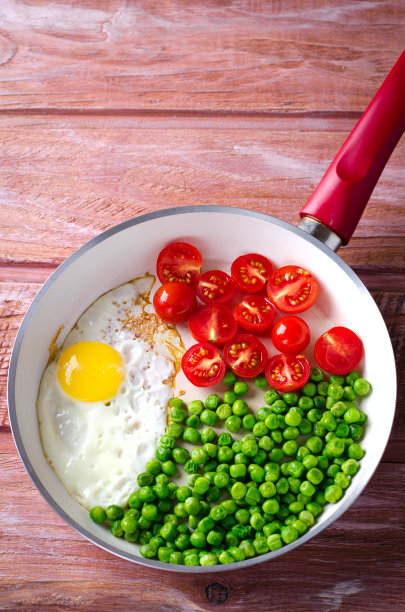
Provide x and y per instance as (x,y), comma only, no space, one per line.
(102,402)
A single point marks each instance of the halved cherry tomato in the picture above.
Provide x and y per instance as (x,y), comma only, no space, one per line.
(215,287)
(290,334)
(255,313)
(213,323)
(179,262)
(338,350)
(203,365)
(174,302)
(251,272)
(246,355)
(292,289)
(287,372)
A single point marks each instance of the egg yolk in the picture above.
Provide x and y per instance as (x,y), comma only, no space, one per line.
(90,371)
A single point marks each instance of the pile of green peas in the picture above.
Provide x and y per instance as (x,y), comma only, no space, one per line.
(245,495)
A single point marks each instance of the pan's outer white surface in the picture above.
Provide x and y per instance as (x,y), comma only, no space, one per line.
(221,233)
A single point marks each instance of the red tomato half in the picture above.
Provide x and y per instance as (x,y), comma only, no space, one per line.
(203,365)
(179,262)
(246,355)
(251,272)
(174,302)
(292,289)
(338,350)
(290,335)
(255,313)
(287,372)
(213,323)
(215,287)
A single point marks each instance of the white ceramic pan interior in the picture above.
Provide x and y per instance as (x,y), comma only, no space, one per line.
(221,234)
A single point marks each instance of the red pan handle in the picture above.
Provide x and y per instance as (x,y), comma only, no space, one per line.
(341,197)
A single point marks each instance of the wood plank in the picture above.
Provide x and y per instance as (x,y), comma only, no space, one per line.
(45,564)
(119,54)
(65,178)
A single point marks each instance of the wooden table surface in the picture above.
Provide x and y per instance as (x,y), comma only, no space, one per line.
(113,108)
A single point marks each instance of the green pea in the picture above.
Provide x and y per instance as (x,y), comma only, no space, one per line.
(164,554)
(296,468)
(261,382)
(169,531)
(209,417)
(335,447)
(315,476)
(314,415)
(248,422)
(98,514)
(225,454)
(335,391)
(192,506)
(114,513)
(356,431)
(191,435)
(214,537)
(149,551)
(291,433)
(276,454)
(328,421)
(307,488)
(250,448)
(212,401)
(309,389)
(354,452)
(322,388)
(260,429)
(274,541)
(169,468)
(352,415)
(266,444)
(342,480)
(319,402)
(290,398)
(207,435)
(229,397)
(221,479)
(174,430)
(161,490)
(182,541)
(198,539)
(168,441)
(178,415)
(288,534)
(190,467)
(271,396)
(180,455)
(240,407)
(279,406)
(271,421)
(316,375)
(233,423)
(229,378)
(290,448)
(195,407)
(293,418)
(350,467)
(144,479)
(224,411)
(241,387)
(333,493)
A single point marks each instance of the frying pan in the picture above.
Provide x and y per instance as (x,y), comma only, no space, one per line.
(129,250)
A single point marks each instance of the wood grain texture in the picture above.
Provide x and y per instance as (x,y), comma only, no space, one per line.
(64,179)
(349,561)
(216,55)
(113,108)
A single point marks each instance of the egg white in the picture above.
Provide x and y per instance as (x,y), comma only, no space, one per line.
(97,449)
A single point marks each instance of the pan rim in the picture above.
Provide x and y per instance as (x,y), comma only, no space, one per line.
(316,529)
